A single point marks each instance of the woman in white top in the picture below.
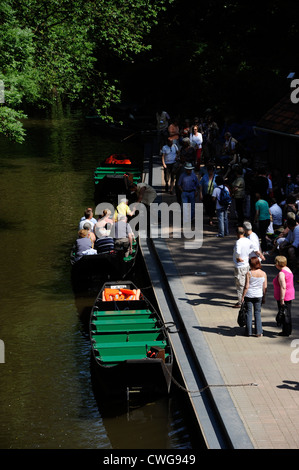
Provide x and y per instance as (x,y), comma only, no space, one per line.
(254,295)
(196,142)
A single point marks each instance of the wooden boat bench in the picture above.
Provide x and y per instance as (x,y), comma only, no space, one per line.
(127,344)
(122,313)
(124,324)
(120,358)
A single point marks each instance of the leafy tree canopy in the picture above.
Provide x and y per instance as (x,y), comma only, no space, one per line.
(60,49)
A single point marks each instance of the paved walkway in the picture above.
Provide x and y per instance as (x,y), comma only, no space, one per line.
(270,410)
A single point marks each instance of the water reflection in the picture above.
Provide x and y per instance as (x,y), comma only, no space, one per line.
(46,395)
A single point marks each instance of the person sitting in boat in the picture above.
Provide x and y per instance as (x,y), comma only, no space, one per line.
(104,245)
(123,236)
(91,234)
(88,217)
(83,245)
(104,224)
(123,209)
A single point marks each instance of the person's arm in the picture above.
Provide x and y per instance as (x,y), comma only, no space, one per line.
(141,193)
(163,161)
(256,217)
(130,236)
(282,284)
(264,289)
(259,254)
(246,287)
(200,192)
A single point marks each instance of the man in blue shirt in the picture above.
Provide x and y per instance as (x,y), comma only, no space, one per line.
(188,184)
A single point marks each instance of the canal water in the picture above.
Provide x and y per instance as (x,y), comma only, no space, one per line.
(46,395)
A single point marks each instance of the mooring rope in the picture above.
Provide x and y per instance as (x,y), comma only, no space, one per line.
(200,390)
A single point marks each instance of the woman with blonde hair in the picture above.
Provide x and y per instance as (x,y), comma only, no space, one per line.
(254,295)
(284,292)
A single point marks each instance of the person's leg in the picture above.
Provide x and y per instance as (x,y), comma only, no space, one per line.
(186,206)
(257,316)
(240,278)
(240,212)
(287,325)
(263,225)
(225,223)
(192,202)
(172,178)
(220,217)
(198,155)
(248,316)
(166,177)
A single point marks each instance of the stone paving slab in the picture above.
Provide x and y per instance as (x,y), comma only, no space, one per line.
(269,410)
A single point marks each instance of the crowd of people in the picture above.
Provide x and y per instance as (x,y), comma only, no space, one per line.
(201,168)
(198,167)
(110,233)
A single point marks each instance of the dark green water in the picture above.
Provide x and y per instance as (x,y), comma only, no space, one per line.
(46,396)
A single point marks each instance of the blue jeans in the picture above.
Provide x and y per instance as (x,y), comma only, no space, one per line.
(222,217)
(256,303)
(188,197)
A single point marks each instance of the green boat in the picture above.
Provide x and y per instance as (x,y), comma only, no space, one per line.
(94,270)
(110,178)
(131,349)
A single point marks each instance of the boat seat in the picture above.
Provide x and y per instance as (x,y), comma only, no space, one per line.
(126,344)
(123,324)
(115,317)
(123,321)
(116,359)
(124,336)
(127,331)
(100,313)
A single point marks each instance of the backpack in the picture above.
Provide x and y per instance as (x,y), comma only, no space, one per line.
(224,198)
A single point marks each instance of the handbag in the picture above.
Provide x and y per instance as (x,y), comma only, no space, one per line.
(242,315)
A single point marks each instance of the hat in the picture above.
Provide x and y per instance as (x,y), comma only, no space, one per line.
(188,166)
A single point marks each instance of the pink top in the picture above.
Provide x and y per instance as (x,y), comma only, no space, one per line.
(290,290)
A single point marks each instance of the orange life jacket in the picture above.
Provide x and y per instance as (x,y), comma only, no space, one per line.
(116,161)
(120,294)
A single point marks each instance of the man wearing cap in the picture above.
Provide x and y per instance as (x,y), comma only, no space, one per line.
(188,184)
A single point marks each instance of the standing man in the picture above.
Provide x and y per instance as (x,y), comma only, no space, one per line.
(242,250)
(221,209)
(262,216)
(188,185)
(254,239)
